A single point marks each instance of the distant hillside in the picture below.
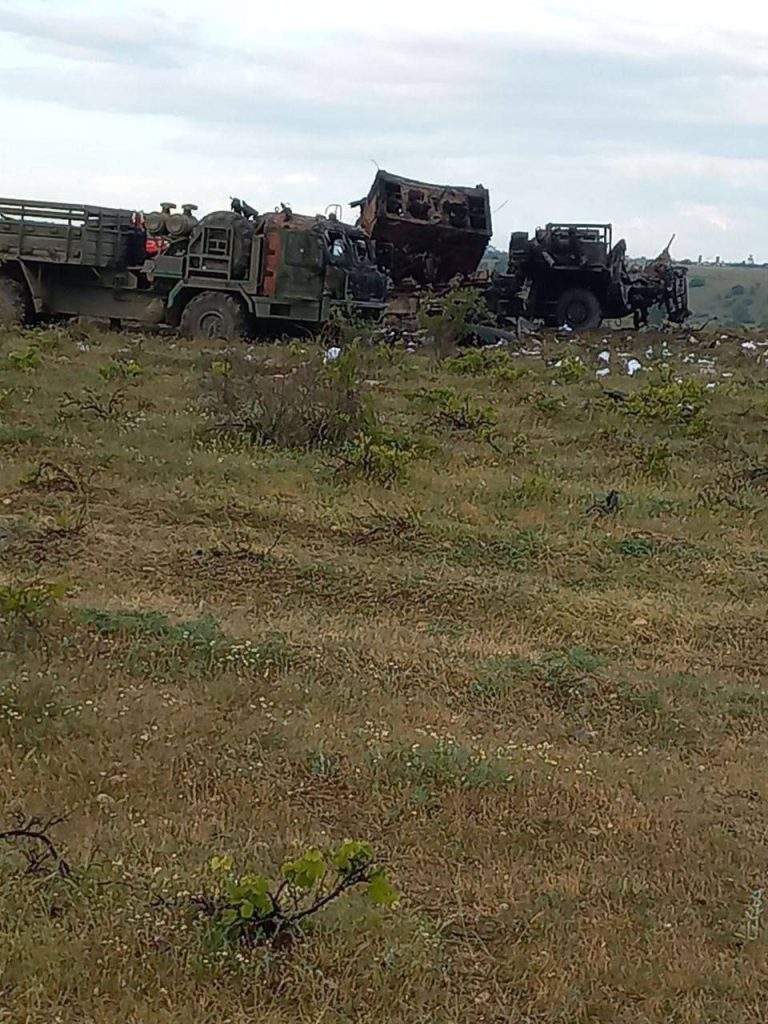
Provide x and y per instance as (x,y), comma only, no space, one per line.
(735,295)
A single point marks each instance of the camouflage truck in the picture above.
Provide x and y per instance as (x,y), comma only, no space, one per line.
(573,274)
(224,276)
(427,236)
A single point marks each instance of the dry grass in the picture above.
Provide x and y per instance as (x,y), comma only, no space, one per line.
(550,723)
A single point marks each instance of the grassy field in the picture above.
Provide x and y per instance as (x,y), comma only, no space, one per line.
(425,627)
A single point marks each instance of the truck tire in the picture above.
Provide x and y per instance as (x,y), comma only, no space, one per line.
(14,303)
(213,316)
(580,309)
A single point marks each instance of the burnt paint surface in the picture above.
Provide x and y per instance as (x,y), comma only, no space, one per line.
(425,233)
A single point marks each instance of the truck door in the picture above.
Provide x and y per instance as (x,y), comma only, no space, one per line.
(300,274)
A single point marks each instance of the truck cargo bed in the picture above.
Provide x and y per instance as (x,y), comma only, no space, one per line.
(92,236)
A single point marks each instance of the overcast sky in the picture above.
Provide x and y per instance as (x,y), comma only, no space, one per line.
(653,115)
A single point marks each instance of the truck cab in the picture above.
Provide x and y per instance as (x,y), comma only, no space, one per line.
(229,274)
(573,274)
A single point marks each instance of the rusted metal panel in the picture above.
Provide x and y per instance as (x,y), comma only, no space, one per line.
(426,234)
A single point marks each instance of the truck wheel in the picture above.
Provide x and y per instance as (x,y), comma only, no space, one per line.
(580,308)
(14,303)
(213,316)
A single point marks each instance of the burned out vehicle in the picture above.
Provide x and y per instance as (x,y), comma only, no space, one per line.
(427,236)
(573,274)
(221,277)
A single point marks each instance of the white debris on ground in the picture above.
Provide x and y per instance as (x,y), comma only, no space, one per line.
(633,366)
(332,354)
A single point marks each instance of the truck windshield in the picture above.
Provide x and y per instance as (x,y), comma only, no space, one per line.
(363,250)
(337,249)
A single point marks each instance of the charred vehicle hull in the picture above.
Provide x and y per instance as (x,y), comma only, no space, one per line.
(572,274)
(427,236)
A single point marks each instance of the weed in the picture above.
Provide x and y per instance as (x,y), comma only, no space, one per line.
(250,909)
(497,364)
(654,459)
(446,763)
(571,369)
(91,403)
(448,319)
(674,401)
(29,603)
(377,457)
(315,406)
(158,646)
(388,526)
(545,403)
(25,360)
(500,678)
(501,552)
(636,547)
(533,489)
(121,369)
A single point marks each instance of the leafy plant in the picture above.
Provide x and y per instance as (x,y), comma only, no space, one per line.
(494,363)
(121,369)
(26,360)
(671,400)
(448,319)
(28,602)
(375,456)
(459,414)
(252,909)
(313,406)
(636,547)
(569,370)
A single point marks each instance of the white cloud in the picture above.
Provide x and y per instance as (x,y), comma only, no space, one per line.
(653,118)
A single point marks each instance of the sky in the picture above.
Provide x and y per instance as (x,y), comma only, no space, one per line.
(652,115)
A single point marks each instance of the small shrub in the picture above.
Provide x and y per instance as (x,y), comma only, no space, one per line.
(448,319)
(28,602)
(458,414)
(25,360)
(670,400)
(636,547)
(250,909)
(314,406)
(494,363)
(121,369)
(569,370)
(377,457)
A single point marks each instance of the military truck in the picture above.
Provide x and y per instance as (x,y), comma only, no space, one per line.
(573,274)
(427,236)
(224,276)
